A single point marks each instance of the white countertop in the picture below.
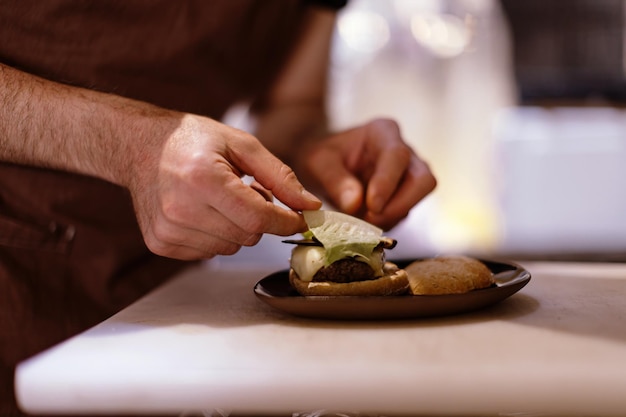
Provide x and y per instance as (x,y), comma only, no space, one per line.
(204,342)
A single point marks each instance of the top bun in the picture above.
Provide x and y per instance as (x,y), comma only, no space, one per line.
(448,275)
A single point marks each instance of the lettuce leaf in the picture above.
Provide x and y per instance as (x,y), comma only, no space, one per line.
(342,235)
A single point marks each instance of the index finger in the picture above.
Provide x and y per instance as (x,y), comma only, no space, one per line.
(255,160)
(250,210)
(417,182)
(390,169)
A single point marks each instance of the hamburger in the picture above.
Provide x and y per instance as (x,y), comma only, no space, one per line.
(341,255)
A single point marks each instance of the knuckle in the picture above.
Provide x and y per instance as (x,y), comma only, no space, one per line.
(171,210)
(227,248)
(255,224)
(157,246)
(384,123)
(285,176)
(403,154)
(162,233)
(426,176)
(431,182)
(286,172)
(211,247)
(252,239)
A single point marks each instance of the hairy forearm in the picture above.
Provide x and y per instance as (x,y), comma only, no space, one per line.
(52,125)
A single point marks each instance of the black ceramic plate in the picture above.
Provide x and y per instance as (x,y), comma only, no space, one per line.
(276,291)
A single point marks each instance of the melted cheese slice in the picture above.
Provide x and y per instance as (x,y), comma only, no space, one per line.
(307,260)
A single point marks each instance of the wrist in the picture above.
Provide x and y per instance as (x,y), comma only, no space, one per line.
(141,133)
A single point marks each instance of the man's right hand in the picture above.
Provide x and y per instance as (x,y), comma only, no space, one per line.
(183,171)
(191,202)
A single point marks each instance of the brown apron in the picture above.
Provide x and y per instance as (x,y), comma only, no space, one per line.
(71,253)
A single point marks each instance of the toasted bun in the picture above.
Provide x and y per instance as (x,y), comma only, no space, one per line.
(448,275)
(394,282)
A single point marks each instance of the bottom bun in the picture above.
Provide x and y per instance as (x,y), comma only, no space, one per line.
(394,282)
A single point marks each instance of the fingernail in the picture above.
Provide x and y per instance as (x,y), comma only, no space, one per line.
(309,196)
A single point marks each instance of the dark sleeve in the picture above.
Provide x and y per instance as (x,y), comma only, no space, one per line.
(331,4)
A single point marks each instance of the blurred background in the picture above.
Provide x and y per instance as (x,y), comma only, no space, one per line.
(516,105)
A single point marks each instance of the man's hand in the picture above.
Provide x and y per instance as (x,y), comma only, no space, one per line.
(183,171)
(191,202)
(369,171)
